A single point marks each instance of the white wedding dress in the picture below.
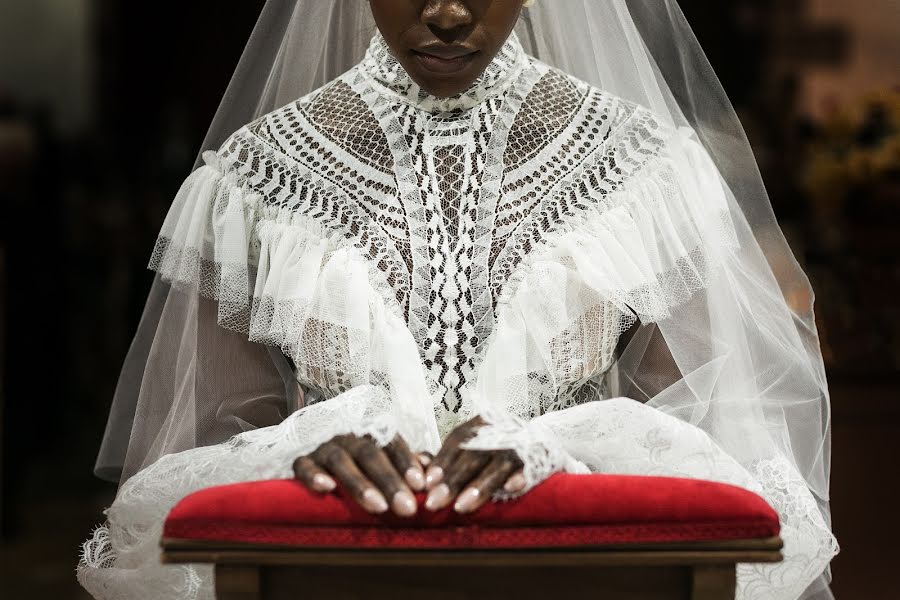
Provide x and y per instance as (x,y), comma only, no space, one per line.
(421,260)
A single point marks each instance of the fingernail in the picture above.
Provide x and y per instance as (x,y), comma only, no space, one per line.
(425,460)
(433,476)
(467,500)
(438,498)
(373,501)
(415,479)
(404,504)
(515,483)
(323,483)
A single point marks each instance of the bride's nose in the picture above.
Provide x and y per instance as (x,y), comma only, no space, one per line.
(446,17)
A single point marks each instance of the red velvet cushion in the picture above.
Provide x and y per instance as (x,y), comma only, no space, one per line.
(564,511)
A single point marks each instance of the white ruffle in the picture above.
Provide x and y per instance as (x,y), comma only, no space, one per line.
(266,266)
(651,244)
(285,281)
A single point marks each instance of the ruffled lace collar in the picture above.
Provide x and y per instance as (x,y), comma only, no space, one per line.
(380,66)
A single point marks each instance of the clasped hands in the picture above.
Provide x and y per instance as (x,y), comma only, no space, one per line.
(382,479)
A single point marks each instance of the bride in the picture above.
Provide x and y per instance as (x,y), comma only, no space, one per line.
(460,245)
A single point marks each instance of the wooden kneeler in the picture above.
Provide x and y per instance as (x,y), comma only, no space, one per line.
(701,571)
(274,540)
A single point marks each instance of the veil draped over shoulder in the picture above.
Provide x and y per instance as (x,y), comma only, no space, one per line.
(629,302)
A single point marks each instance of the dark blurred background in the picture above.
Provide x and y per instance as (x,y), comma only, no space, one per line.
(104,103)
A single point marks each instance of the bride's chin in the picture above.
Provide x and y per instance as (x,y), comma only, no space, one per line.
(444,85)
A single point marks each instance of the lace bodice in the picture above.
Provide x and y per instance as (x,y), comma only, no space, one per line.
(446,197)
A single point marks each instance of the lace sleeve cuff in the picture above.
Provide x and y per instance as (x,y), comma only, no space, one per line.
(541,452)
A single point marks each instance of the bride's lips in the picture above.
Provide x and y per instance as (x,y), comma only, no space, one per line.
(447,61)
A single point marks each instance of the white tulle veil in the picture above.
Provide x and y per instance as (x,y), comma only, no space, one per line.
(740,348)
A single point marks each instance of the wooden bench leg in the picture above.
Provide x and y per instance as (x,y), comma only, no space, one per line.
(713,582)
(237,582)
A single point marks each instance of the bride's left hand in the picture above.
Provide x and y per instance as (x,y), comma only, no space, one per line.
(470,477)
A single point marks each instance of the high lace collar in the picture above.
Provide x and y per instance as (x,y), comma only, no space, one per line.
(386,72)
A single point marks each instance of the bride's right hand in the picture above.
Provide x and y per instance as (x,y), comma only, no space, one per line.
(370,473)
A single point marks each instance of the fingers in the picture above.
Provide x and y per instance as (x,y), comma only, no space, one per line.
(445,457)
(370,474)
(341,465)
(496,474)
(467,464)
(382,478)
(310,475)
(515,483)
(375,463)
(406,463)
(449,451)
